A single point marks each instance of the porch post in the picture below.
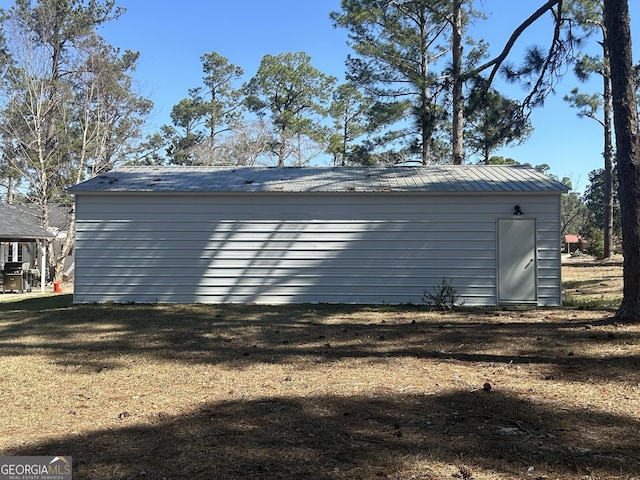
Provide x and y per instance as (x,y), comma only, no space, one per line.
(43,264)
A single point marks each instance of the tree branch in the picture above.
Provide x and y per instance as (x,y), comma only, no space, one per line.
(497,61)
(548,61)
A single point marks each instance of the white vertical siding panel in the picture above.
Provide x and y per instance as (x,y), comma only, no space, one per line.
(282,248)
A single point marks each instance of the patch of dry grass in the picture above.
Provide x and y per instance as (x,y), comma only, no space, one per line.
(322,392)
(589,283)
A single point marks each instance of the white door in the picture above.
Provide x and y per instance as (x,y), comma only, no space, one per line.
(517,279)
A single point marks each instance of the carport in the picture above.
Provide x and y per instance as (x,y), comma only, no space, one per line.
(19,228)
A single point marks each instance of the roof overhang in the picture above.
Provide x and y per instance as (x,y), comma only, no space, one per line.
(18,226)
(28,238)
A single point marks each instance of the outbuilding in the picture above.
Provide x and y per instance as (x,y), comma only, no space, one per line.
(367,235)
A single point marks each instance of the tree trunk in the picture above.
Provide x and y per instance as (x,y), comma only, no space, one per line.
(458,99)
(281,153)
(426,121)
(608,163)
(65,249)
(625,118)
(426,148)
(608,148)
(10,190)
(345,143)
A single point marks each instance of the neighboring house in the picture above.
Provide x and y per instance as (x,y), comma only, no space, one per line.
(22,242)
(59,222)
(318,234)
(573,243)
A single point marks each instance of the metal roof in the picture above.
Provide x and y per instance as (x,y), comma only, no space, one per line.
(433,179)
(16,225)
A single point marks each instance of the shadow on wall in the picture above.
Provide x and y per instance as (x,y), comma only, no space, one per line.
(291,250)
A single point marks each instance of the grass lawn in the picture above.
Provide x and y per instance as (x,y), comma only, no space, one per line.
(326,392)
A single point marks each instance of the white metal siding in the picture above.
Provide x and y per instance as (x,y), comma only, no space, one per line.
(296,248)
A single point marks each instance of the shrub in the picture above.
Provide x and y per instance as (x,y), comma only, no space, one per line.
(443,296)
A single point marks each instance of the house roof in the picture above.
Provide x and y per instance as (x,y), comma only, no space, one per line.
(58,214)
(17,225)
(573,239)
(433,179)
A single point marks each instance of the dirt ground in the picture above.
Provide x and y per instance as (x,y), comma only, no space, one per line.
(326,392)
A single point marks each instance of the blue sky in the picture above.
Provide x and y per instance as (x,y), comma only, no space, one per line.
(172,35)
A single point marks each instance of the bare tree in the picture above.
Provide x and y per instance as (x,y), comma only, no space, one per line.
(66,102)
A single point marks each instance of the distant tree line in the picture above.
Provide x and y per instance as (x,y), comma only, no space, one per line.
(407,89)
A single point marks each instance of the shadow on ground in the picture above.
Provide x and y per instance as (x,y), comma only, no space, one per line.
(386,436)
(237,334)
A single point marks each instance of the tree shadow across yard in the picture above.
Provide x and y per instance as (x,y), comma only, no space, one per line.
(377,432)
(376,436)
(580,349)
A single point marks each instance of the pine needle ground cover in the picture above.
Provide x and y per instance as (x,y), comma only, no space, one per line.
(326,392)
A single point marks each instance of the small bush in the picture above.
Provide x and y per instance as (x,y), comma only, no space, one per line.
(442,297)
